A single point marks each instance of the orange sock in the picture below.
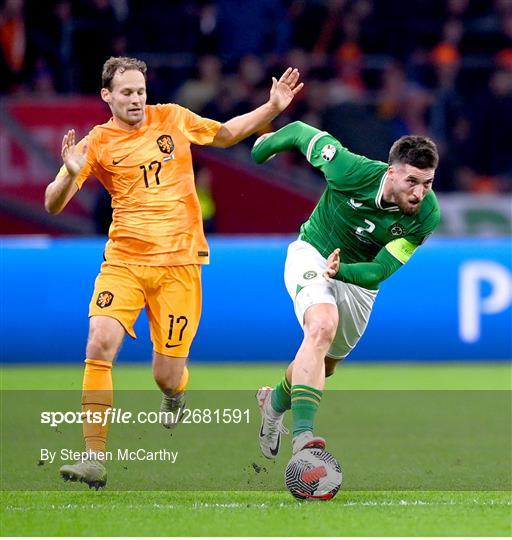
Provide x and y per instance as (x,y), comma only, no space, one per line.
(97,396)
(183,381)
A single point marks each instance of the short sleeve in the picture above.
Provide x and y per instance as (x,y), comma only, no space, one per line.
(197,129)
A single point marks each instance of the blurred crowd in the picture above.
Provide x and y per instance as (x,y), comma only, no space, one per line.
(374,69)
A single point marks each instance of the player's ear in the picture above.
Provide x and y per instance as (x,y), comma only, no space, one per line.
(105,95)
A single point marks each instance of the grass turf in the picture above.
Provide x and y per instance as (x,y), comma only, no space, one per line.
(348,376)
(255,514)
(259,513)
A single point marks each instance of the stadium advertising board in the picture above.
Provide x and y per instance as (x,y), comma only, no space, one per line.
(451,302)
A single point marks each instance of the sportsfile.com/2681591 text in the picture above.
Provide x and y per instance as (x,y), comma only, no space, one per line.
(118,416)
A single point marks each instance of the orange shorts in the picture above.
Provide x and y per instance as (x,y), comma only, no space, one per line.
(171,295)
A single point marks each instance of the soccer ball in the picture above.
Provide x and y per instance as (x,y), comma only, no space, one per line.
(313,473)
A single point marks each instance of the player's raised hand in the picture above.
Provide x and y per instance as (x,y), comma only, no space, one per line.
(333,264)
(285,89)
(73,158)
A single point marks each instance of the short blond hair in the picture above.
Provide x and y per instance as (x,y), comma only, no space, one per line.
(120,64)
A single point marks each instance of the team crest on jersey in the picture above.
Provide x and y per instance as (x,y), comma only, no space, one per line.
(310,274)
(166,144)
(104,299)
(397,229)
(328,152)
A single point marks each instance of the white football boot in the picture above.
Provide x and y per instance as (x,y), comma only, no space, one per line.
(90,471)
(271,424)
(307,440)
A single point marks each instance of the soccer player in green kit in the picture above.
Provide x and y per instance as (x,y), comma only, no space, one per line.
(372,216)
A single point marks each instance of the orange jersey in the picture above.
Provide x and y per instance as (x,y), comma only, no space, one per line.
(148,172)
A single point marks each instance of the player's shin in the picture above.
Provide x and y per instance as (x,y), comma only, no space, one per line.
(173,402)
(183,381)
(308,381)
(97,400)
(305,401)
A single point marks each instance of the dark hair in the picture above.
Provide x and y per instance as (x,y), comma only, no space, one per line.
(415,150)
(121,64)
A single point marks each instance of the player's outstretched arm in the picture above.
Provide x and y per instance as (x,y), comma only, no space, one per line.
(63,188)
(371,274)
(295,135)
(281,95)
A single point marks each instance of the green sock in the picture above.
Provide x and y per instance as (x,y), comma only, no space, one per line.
(280,398)
(305,401)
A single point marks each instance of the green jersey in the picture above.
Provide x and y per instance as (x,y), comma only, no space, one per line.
(351,214)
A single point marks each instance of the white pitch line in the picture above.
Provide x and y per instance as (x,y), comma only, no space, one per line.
(297,504)
(427,503)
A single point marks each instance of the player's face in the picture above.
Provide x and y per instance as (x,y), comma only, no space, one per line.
(409,186)
(127,98)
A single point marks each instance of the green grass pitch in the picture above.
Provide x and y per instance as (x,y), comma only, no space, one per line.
(75,511)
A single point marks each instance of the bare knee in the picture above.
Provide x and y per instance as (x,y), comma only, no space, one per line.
(166,379)
(168,371)
(321,330)
(101,346)
(105,338)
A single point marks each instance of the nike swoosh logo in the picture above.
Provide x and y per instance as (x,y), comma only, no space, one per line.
(355,204)
(117,161)
(273,451)
(167,346)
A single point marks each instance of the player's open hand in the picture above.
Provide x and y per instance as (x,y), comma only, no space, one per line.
(73,158)
(333,264)
(285,89)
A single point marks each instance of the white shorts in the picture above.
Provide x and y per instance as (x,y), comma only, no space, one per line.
(306,285)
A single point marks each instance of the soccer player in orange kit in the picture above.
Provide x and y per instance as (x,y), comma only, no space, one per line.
(156,243)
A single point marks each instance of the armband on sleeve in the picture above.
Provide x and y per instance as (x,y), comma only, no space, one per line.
(401,249)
